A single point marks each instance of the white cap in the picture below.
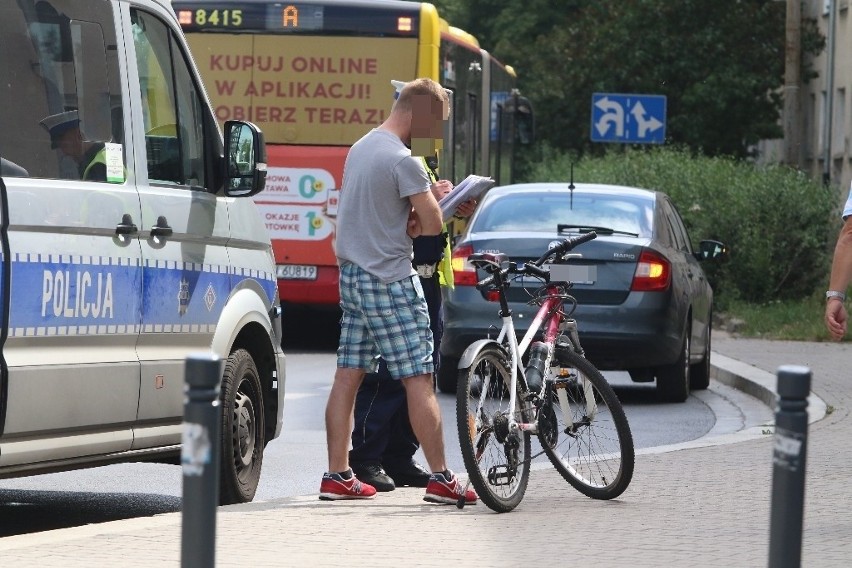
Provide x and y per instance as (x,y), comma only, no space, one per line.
(56,124)
(397,85)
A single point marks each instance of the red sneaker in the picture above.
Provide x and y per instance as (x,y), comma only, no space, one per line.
(334,487)
(447,491)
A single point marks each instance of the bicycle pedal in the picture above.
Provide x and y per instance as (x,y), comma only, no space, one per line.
(563,382)
(500,475)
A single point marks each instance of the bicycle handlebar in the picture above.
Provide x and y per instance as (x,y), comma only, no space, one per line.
(533,268)
(489,279)
(564,247)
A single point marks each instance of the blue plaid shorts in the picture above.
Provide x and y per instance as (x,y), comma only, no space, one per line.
(383,320)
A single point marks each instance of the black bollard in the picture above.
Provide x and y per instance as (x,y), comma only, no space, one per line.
(202,425)
(788,474)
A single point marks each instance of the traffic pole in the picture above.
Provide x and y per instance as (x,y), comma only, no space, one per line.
(202,425)
(788,475)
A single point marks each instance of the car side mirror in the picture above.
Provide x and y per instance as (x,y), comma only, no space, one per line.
(245,159)
(711,250)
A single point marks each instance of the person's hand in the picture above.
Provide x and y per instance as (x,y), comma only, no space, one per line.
(441,188)
(835,318)
(413,228)
(466,209)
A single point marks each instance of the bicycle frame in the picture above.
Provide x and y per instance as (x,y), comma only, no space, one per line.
(549,316)
(591,449)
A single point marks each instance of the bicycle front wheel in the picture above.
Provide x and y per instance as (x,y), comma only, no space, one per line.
(497,459)
(583,430)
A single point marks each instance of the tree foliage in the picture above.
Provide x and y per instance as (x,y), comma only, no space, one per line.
(720,64)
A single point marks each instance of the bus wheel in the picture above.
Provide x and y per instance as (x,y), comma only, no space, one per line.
(243,429)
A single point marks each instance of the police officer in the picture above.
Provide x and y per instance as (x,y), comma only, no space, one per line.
(65,134)
(383,442)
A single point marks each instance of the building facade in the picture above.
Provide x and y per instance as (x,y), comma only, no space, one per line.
(825,109)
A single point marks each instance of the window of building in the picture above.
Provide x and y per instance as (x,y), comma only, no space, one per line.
(838,124)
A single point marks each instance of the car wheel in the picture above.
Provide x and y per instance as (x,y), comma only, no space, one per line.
(673,380)
(243,429)
(448,374)
(699,374)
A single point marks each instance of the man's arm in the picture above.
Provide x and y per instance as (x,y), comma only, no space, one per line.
(427,212)
(841,276)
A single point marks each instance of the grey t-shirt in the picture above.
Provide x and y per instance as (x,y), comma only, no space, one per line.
(378,177)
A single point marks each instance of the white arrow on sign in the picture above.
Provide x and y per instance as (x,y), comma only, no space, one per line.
(613,114)
(645,125)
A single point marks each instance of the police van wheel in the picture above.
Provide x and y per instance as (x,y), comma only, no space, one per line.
(243,429)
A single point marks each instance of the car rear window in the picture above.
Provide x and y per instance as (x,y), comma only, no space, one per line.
(544,212)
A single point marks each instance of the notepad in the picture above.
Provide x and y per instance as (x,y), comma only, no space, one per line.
(472,187)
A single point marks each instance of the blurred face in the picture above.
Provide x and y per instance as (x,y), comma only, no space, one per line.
(427,125)
(70,143)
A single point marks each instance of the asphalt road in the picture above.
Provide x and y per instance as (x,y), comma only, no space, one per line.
(294,462)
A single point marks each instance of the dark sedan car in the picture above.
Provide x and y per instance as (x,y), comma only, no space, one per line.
(644,303)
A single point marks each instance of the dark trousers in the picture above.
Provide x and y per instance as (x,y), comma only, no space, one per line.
(382,431)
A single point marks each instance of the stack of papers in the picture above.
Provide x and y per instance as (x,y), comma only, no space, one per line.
(472,187)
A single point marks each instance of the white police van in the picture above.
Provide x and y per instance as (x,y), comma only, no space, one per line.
(129,240)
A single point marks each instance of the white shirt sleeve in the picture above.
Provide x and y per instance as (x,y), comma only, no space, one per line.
(847,207)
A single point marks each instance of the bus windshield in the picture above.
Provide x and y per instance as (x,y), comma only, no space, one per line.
(278,66)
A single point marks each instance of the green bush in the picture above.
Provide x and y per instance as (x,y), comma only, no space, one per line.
(776,221)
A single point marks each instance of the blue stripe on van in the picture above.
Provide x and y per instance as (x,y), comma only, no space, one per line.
(54,295)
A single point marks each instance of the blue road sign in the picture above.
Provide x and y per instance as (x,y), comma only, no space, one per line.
(629,119)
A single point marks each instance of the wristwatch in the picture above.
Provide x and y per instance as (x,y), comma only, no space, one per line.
(835,294)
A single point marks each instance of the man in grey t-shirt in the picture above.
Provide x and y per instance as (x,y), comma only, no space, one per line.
(385,202)
(373,212)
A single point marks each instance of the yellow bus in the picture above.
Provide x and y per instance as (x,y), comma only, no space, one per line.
(315,77)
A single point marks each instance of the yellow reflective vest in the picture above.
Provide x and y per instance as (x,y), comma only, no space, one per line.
(445,266)
(99,158)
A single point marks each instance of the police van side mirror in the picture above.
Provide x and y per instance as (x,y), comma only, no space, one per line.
(245,159)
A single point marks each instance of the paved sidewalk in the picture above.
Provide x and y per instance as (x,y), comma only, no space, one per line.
(698,504)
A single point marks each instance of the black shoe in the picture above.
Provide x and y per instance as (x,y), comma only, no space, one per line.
(373,474)
(408,473)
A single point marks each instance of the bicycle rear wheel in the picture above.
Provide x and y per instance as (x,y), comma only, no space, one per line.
(496,459)
(583,430)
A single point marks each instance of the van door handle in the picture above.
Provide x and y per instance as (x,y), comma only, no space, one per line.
(126,227)
(161,229)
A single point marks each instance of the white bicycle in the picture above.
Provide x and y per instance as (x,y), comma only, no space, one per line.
(559,396)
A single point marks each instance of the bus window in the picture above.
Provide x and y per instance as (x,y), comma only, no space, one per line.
(472,134)
(521,113)
(447,155)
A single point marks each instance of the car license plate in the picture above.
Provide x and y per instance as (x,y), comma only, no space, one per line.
(296,272)
(578,274)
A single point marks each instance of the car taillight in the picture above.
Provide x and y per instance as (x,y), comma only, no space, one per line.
(653,273)
(464,273)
